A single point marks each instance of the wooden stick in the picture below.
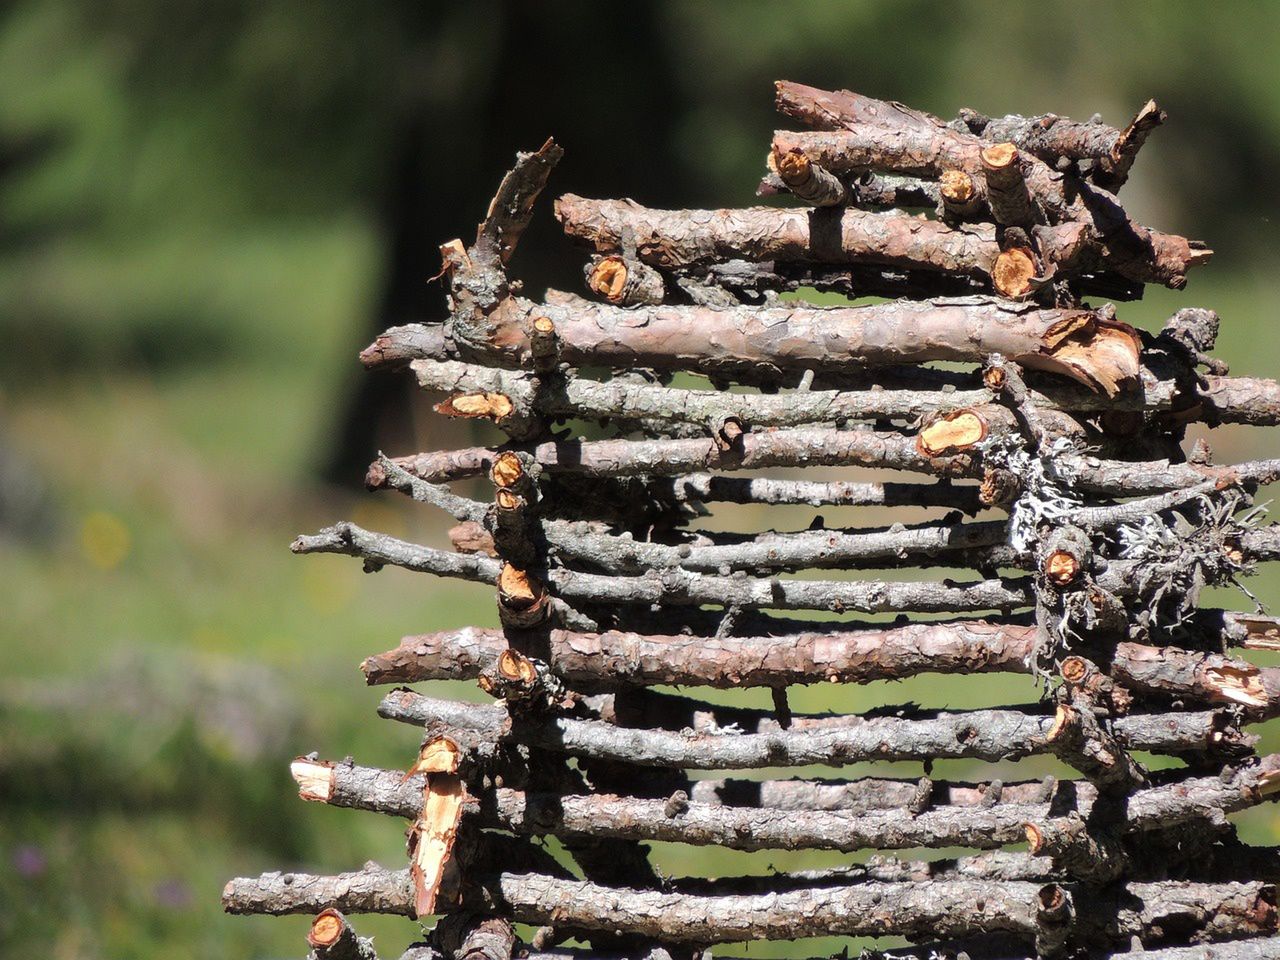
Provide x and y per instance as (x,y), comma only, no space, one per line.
(940,908)
(983,734)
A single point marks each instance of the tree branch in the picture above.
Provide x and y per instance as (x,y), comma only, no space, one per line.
(678,586)
(985,824)
(982,734)
(948,908)
(838,655)
(1087,346)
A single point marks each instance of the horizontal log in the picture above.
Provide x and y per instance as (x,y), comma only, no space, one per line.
(1201,677)
(672,239)
(679,239)
(1085,345)
(982,734)
(740,828)
(1048,136)
(677,586)
(974,545)
(665,457)
(947,908)
(814,447)
(1223,400)
(839,655)
(1173,803)
(869,134)
(1219,399)
(836,655)
(574,396)
(980,826)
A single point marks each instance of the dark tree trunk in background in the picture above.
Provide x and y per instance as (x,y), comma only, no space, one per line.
(617,128)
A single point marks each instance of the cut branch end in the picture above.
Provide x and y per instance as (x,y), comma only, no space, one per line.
(950,433)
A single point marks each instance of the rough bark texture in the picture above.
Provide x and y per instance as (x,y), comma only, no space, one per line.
(989,735)
(862,133)
(814,448)
(803,815)
(614,572)
(1216,399)
(947,908)
(846,656)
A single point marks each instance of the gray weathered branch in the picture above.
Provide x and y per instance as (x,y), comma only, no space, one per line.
(989,735)
(686,819)
(947,908)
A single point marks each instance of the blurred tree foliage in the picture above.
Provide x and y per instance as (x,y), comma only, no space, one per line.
(137,136)
(207,207)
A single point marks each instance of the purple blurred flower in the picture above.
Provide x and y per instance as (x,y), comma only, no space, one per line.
(174,894)
(30,861)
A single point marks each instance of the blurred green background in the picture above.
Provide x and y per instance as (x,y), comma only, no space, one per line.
(207,208)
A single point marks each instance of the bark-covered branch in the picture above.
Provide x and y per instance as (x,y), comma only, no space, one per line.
(1051,137)
(1169,804)
(992,822)
(678,586)
(818,447)
(682,586)
(1216,399)
(1086,345)
(947,908)
(680,238)
(860,133)
(981,734)
(837,655)
(1222,400)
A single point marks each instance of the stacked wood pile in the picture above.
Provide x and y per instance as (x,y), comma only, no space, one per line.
(1054,472)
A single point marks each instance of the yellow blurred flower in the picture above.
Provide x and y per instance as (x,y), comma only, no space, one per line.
(104,540)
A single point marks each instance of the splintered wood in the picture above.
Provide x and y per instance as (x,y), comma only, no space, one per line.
(995,244)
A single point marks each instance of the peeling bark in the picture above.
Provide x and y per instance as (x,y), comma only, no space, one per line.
(432,837)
